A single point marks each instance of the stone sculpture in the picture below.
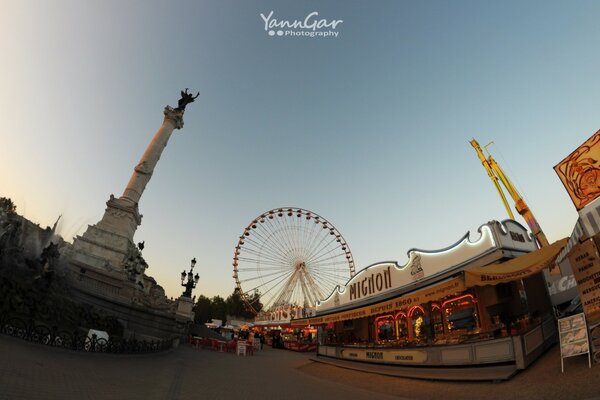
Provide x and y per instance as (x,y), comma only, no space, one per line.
(186,98)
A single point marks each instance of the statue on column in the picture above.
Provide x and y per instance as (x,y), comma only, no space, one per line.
(186,98)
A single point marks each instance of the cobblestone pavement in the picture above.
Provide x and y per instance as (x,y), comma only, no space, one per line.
(32,371)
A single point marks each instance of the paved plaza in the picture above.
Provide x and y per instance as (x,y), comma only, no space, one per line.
(33,371)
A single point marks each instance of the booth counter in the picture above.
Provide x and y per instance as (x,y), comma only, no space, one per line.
(519,350)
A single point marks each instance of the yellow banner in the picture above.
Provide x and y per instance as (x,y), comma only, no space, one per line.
(580,172)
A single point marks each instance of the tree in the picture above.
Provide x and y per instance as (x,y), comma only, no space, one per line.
(7,206)
(236,306)
(255,301)
(207,309)
(203,310)
(219,309)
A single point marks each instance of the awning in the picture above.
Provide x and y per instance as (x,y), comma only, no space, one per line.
(517,268)
(431,293)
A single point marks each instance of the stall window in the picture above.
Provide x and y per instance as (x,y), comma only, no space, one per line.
(461,314)
(385,328)
(401,326)
(416,316)
(436,320)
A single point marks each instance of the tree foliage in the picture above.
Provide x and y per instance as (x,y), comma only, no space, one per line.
(255,301)
(219,308)
(234,307)
(203,310)
(7,206)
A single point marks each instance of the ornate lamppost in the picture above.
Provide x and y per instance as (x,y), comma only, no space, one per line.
(192,280)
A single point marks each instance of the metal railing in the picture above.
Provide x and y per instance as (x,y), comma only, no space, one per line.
(76,339)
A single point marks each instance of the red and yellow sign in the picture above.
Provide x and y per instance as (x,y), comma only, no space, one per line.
(580,172)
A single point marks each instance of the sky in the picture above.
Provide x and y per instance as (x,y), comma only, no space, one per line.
(369,129)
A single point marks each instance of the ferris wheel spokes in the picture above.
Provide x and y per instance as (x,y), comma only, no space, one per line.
(283,278)
(292,256)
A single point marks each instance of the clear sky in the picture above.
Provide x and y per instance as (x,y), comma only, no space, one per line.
(369,129)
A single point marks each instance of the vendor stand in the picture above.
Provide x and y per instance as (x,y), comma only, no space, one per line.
(303,339)
(279,332)
(476,304)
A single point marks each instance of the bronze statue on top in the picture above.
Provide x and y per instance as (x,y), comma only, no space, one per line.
(186,98)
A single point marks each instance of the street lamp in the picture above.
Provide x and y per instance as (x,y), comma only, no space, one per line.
(192,280)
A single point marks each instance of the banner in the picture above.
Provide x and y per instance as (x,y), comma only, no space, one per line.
(580,172)
(432,293)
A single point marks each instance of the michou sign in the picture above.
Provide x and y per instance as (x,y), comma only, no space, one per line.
(387,276)
(387,356)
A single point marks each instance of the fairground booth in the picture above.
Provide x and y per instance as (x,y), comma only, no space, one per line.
(480,303)
(278,331)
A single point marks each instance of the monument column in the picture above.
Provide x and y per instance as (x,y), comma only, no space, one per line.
(106,269)
(111,239)
(122,216)
(143,171)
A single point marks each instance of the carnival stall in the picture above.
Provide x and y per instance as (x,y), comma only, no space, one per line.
(278,331)
(474,304)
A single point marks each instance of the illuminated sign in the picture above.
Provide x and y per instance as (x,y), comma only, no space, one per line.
(372,284)
(387,276)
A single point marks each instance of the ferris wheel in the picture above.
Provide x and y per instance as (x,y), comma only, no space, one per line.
(290,256)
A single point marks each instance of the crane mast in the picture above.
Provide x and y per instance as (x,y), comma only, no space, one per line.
(498,176)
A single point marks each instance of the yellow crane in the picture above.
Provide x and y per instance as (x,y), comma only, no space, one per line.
(498,176)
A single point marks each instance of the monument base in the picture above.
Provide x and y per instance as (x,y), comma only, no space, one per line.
(184,312)
(144,312)
(108,242)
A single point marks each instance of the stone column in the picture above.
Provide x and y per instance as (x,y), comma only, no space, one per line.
(122,215)
(111,238)
(143,171)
